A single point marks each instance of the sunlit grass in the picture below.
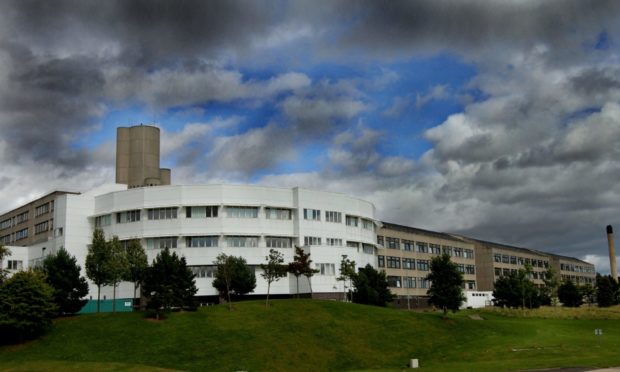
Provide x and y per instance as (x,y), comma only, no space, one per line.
(307,335)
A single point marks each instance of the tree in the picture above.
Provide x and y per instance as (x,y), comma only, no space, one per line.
(4,252)
(589,293)
(371,287)
(347,273)
(233,277)
(137,263)
(62,273)
(301,266)
(446,290)
(569,294)
(169,283)
(606,291)
(26,306)
(516,290)
(117,267)
(98,262)
(549,292)
(273,270)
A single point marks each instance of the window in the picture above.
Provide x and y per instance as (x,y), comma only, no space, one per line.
(41,209)
(312,240)
(422,247)
(351,221)
(312,214)
(277,214)
(161,243)
(242,241)
(498,271)
(277,242)
(497,257)
(204,271)
(409,282)
(380,240)
(334,242)
(41,227)
(5,240)
(368,224)
(210,211)
(105,220)
(368,248)
(381,261)
(5,224)
(22,217)
(325,268)
(505,259)
(458,252)
(242,212)
(520,261)
(470,285)
(460,268)
(128,216)
(15,265)
(505,272)
(353,244)
(513,260)
(408,245)
(162,213)
(408,264)
(424,283)
(331,216)
(434,248)
(21,234)
(393,281)
(423,265)
(470,269)
(393,262)
(469,253)
(527,261)
(447,250)
(201,241)
(393,243)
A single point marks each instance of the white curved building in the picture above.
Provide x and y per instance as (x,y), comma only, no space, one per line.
(200,222)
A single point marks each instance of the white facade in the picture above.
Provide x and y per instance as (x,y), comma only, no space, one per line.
(250,219)
(478,299)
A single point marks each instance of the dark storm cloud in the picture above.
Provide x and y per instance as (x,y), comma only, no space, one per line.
(596,81)
(399,27)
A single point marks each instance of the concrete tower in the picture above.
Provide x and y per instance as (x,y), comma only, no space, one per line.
(137,157)
(613,268)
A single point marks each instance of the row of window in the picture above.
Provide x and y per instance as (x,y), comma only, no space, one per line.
(44,208)
(576,268)
(392,262)
(505,272)
(15,264)
(517,260)
(578,279)
(423,247)
(408,282)
(233,212)
(214,241)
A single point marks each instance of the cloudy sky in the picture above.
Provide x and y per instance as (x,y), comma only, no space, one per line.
(498,120)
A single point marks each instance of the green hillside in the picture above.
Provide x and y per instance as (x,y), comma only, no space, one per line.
(316,335)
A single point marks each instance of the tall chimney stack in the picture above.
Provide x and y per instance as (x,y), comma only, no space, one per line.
(613,268)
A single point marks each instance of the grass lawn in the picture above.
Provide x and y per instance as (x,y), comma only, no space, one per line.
(320,335)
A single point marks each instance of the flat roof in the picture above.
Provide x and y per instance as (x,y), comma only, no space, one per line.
(415,230)
(59,192)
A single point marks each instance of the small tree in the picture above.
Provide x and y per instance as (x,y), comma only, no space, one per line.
(26,306)
(589,293)
(4,252)
(233,276)
(137,263)
(273,270)
(118,267)
(169,283)
(549,292)
(569,295)
(301,266)
(606,291)
(446,290)
(371,287)
(516,290)
(98,263)
(347,273)
(63,273)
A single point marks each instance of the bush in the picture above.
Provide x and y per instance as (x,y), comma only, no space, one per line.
(26,306)
(569,295)
(371,287)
